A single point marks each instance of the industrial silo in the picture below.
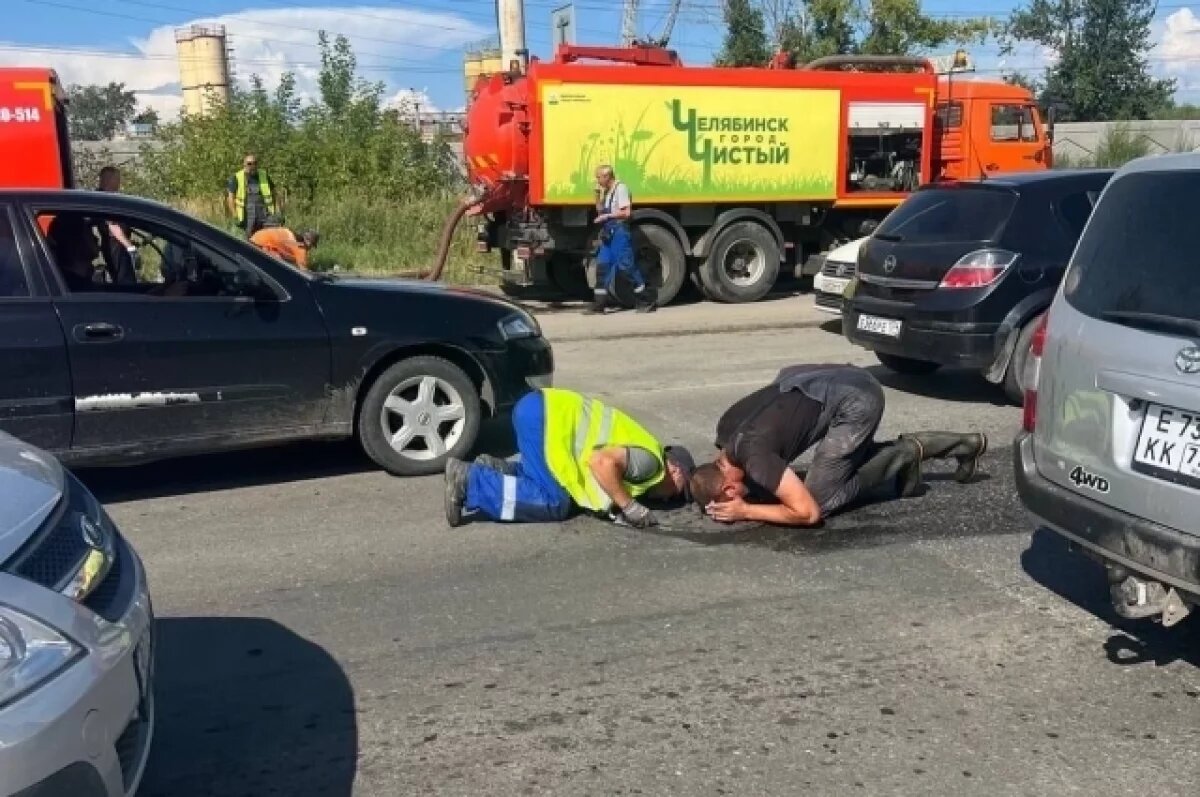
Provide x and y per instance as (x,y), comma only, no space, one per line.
(203,67)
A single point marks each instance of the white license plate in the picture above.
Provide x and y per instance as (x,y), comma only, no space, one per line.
(1169,444)
(831,285)
(889,327)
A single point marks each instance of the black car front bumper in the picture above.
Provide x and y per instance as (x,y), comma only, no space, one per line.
(1150,549)
(962,345)
(521,366)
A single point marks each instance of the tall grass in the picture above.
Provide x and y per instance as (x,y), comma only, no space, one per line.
(366,235)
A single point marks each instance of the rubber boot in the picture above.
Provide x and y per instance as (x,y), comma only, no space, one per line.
(966,448)
(497,464)
(455,490)
(643,300)
(898,464)
(599,304)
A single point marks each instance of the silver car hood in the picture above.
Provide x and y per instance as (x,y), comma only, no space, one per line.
(31,485)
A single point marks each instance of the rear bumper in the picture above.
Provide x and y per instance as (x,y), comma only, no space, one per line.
(1152,550)
(963,345)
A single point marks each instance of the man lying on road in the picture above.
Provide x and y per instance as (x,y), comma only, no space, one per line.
(838,409)
(575,451)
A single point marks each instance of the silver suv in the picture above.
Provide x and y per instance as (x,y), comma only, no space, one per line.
(1110,453)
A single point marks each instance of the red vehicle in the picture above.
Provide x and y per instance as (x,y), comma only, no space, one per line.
(736,174)
(33,130)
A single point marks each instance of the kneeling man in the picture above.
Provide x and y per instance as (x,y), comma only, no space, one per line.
(575,452)
(837,408)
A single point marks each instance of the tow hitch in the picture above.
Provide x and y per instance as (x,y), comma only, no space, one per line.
(1136,598)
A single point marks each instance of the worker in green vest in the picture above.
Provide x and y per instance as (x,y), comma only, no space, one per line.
(251,198)
(575,452)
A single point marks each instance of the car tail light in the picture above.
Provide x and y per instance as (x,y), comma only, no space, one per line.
(979,269)
(1033,372)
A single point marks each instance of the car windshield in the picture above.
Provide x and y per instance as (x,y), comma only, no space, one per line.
(949,215)
(1134,265)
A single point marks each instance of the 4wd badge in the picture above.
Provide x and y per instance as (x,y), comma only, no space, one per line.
(1089,481)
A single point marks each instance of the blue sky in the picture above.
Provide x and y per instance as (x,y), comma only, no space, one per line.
(417,45)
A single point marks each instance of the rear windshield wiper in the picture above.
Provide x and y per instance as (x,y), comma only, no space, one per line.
(1154,321)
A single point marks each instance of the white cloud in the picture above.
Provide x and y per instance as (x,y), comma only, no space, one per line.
(1176,52)
(268,43)
(410,101)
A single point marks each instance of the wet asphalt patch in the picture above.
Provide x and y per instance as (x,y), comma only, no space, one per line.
(944,509)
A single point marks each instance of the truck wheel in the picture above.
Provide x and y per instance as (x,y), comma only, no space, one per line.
(569,276)
(1014,377)
(417,413)
(742,265)
(661,260)
(906,365)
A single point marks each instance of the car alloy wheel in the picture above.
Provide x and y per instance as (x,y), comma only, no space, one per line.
(423,417)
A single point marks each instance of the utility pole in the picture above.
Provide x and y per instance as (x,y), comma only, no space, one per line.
(629,20)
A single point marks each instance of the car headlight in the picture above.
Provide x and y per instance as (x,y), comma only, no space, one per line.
(31,653)
(518,326)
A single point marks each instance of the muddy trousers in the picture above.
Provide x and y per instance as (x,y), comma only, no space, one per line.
(833,477)
(529,493)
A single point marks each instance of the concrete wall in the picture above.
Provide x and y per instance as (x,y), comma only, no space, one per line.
(1079,140)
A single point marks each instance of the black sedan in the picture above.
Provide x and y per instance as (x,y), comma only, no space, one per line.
(212,344)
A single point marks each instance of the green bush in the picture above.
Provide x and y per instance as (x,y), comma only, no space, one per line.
(354,170)
(1119,145)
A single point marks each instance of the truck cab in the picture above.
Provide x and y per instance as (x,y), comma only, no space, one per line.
(986,128)
(33,122)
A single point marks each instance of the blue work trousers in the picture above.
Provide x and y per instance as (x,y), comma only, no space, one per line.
(532,494)
(616,255)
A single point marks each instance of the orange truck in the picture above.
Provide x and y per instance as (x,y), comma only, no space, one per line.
(737,175)
(34,136)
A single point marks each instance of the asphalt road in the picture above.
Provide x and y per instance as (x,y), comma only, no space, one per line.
(323,633)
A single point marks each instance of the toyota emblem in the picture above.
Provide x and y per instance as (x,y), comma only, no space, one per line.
(1187,361)
(889,264)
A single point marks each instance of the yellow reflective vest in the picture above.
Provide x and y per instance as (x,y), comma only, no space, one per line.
(239,196)
(576,426)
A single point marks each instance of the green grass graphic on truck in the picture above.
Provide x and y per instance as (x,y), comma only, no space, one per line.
(690,144)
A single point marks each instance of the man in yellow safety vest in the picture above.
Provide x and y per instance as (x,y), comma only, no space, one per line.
(575,452)
(251,197)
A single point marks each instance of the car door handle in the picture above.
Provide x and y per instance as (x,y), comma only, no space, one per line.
(98,331)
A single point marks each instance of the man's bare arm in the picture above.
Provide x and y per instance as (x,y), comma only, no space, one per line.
(114,229)
(608,466)
(796,505)
(621,214)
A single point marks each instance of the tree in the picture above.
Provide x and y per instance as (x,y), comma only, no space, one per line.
(1024,81)
(148,116)
(97,113)
(745,36)
(815,28)
(1101,72)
